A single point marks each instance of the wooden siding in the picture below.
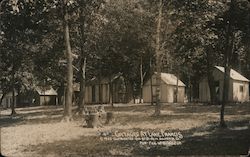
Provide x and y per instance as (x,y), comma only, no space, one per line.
(166,92)
(234,89)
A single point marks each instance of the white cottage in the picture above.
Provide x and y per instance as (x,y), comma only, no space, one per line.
(168,89)
(238,86)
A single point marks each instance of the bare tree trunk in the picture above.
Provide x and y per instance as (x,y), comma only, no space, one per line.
(69,88)
(133,90)
(225,95)
(0,142)
(190,94)
(151,82)
(151,90)
(141,75)
(81,102)
(227,56)
(226,81)
(99,90)
(211,87)
(177,88)
(61,94)
(111,94)
(13,112)
(1,99)
(158,62)
(211,82)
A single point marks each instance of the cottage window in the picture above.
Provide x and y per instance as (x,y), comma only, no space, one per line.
(241,88)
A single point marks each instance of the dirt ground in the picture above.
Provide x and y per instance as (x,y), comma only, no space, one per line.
(39,131)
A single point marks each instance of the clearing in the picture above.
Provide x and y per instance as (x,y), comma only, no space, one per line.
(38,131)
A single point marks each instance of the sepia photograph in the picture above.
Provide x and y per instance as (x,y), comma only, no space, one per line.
(124,78)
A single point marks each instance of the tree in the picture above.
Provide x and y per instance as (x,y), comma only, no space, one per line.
(158,61)
(69,88)
(118,40)
(234,20)
(196,41)
(18,26)
(86,10)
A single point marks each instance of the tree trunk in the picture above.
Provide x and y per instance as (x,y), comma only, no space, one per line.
(158,62)
(225,95)
(69,89)
(111,94)
(141,86)
(151,82)
(151,90)
(210,77)
(227,57)
(61,94)
(99,90)
(133,90)
(1,99)
(211,87)
(190,94)
(81,102)
(177,89)
(13,112)
(1,143)
(127,92)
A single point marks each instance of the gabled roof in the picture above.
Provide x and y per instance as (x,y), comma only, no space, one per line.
(46,91)
(171,79)
(104,80)
(233,74)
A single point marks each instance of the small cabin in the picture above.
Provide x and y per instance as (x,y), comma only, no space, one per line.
(40,95)
(238,86)
(45,96)
(8,99)
(171,89)
(98,91)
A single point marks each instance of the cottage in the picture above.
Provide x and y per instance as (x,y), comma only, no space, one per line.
(98,91)
(238,86)
(45,96)
(8,99)
(169,86)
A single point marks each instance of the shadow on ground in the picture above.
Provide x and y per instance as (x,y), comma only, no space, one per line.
(228,141)
(33,115)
